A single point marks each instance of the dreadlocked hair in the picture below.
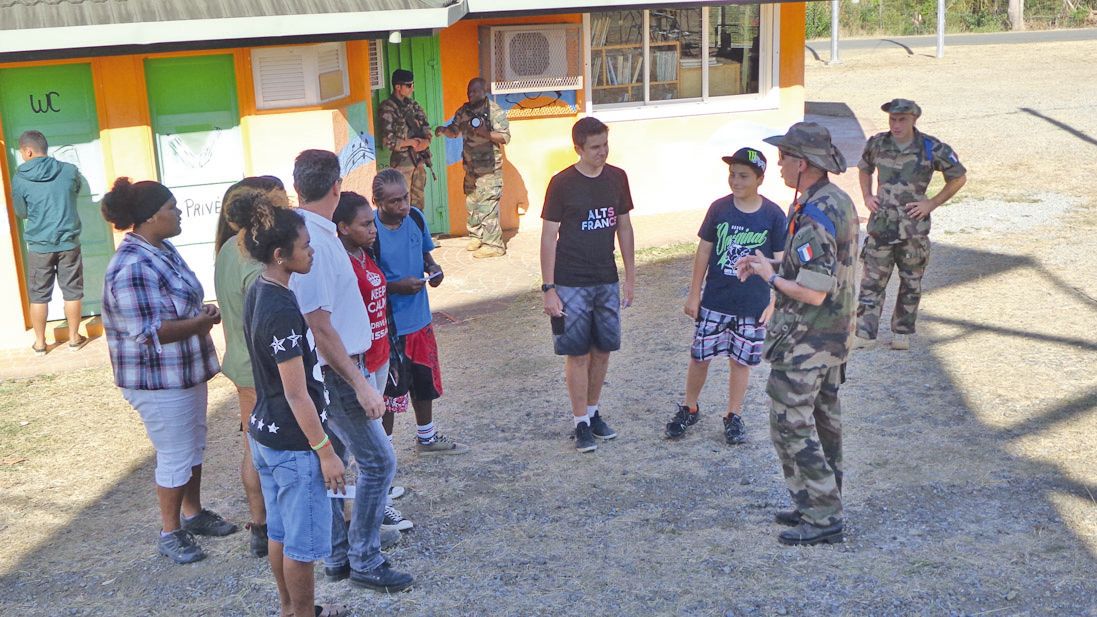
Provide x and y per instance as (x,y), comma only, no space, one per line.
(384,177)
(264,222)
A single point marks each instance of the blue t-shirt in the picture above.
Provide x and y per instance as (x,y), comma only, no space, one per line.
(734,233)
(402,256)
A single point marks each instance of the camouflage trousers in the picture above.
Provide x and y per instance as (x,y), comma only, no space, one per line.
(482,200)
(416,178)
(910,257)
(805,424)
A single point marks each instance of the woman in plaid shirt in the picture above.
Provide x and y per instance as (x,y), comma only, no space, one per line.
(158,334)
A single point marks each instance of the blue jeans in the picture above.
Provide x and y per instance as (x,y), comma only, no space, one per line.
(294,493)
(355,435)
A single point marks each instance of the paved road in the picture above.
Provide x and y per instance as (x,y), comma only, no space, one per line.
(821,47)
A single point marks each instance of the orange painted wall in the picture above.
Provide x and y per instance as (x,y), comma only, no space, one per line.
(460,63)
(272,139)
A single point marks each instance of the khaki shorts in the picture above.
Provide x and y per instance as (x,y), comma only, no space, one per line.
(66,267)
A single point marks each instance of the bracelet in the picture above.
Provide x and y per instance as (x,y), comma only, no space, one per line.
(320,446)
(773,280)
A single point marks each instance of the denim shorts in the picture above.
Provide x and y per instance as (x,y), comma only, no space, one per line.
(592,319)
(175,421)
(298,510)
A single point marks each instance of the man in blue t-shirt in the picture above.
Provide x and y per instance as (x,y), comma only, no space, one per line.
(730,315)
(404,246)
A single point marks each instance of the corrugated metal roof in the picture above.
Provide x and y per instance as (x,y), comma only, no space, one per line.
(20,14)
(57,26)
(480,8)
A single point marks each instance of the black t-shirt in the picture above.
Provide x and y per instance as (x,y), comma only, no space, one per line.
(275,331)
(587,210)
(733,234)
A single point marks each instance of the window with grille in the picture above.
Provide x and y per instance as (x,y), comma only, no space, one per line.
(376,65)
(300,75)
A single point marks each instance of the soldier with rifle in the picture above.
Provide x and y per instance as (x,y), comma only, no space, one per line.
(406,133)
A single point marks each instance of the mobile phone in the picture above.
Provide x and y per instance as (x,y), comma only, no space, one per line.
(557,323)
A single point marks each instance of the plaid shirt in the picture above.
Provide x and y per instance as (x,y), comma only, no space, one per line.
(144,287)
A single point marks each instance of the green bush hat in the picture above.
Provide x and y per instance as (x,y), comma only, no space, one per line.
(811,142)
(901,106)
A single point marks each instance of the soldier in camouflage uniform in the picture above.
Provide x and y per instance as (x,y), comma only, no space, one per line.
(808,337)
(898,226)
(484,127)
(405,132)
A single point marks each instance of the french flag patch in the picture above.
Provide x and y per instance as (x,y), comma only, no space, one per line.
(805,253)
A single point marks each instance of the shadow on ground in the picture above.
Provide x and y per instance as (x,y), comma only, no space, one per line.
(944,516)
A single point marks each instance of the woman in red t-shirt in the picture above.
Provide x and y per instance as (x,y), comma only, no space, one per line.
(353,218)
(354,221)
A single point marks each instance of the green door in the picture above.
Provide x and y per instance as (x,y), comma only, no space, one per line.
(59,101)
(421,56)
(199,152)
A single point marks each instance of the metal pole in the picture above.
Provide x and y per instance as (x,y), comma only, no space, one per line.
(940,28)
(834,59)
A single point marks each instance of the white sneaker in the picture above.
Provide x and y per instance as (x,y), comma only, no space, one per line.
(395,521)
(900,342)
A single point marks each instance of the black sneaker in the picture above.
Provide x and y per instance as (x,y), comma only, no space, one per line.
(181,547)
(600,429)
(682,420)
(257,544)
(584,438)
(382,578)
(209,523)
(734,430)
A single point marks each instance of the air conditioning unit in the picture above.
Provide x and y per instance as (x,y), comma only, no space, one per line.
(534,58)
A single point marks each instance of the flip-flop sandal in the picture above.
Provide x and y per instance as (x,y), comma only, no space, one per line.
(39,351)
(332,610)
(78,344)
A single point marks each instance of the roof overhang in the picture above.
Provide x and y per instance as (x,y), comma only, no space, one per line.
(135,26)
(499,8)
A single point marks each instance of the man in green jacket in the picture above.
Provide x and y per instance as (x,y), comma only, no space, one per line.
(44,193)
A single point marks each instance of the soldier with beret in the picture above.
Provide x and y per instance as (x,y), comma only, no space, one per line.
(904,160)
(485,128)
(808,338)
(405,132)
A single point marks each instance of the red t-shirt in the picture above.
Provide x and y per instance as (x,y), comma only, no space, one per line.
(371,282)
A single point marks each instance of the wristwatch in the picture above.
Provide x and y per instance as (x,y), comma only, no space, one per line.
(772,280)
(547,286)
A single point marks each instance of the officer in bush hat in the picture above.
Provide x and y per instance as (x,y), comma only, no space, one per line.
(808,337)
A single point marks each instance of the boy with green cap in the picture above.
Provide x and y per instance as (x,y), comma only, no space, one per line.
(730,315)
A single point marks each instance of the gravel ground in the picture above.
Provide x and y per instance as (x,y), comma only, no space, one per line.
(969,459)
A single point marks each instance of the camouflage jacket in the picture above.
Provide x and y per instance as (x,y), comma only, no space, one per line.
(400,120)
(479,155)
(819,254)
(904,174)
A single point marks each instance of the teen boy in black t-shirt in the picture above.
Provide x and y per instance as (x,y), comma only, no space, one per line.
(586,205)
